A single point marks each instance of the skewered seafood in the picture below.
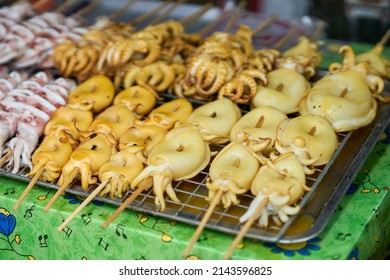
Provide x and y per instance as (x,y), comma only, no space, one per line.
(280,183)
(85,161)
(117,174)
(168,161)
(87,158)
(346,97)
(169,114)
(284,91)
(215,119)
(51,155)
(71,120)
(232,172)
(94,94)
(311,138)
(257,129)
(141,140)
(33,113)
(113,121)
(137,98)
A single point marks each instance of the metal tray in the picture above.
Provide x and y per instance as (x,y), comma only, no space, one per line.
(329,184)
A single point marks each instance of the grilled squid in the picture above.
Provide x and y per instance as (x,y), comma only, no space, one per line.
(278,185)
(232,172)
(215,119)
(257,129)
(284,91)
(311,138)
(181,155)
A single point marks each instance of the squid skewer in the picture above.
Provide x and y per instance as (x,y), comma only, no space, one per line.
(49,158)
(168,161)
(86,159)
(278,186)
(231,173)
(117,174)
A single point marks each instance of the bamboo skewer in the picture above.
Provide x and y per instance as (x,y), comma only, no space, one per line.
(384,38)
(150,13)
(28,188)
(192,17)
(61,190)
(167,12)
(122,9)
(245,229)
(141,187)
(88,8)
(212,25)
(206,217)
(264,24)
(235,15)
(318,31)
(65,6)
(5,158)
(82,205)
(286,37)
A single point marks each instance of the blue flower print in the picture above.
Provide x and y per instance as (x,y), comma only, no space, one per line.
(7,222)
(289,250)
(75,199)
(354,255)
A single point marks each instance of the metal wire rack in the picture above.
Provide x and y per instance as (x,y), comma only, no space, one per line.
(328,185)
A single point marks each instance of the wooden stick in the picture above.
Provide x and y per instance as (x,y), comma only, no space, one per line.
(318,31)
(150,13)
(264,24)
(5,158)
(385,38)
(285,38)
(28,188)
(194,16)
(206,217)
(82,205)
(61,189)
(122,9)
(167,12)
(65,6)
(235,15)
(245,228)
(88,8)
(212,25)
(130,199)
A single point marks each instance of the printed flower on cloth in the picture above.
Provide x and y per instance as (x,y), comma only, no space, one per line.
(7,222)
(289,250)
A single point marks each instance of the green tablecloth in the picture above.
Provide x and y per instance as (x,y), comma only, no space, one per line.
(359,228)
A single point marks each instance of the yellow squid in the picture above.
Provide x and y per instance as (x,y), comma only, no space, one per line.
(284,91)
(181,155)
(346,97)
(312,138)
(215,119)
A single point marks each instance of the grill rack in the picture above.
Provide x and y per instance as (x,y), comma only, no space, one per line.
(328,185)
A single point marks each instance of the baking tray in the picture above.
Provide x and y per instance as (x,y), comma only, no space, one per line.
(328,185)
